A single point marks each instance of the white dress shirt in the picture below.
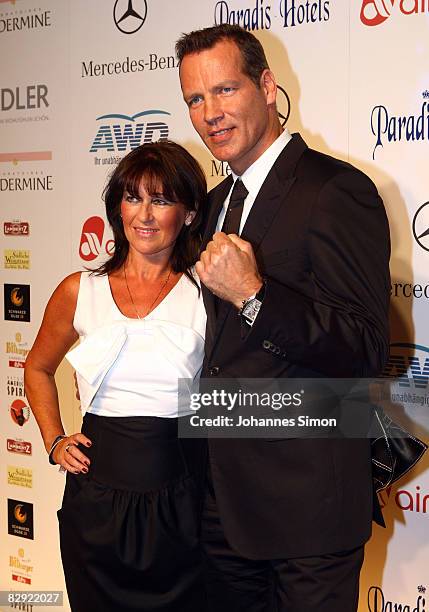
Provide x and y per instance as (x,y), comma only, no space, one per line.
(254,177)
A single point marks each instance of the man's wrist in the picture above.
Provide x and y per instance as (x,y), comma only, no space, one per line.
(253,291)
(251,307)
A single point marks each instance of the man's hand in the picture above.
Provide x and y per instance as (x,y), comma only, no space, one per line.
(228,268)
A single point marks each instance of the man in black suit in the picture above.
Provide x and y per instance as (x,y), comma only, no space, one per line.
(296,285)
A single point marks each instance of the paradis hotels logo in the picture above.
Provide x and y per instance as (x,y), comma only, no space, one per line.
(390,128)
(378,601)
(375,12)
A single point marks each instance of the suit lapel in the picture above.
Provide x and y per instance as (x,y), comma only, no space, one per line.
(273,192)
(270,198)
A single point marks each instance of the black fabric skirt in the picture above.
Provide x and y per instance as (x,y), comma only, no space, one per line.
(129,529)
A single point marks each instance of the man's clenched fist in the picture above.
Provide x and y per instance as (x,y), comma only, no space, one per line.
(228,268)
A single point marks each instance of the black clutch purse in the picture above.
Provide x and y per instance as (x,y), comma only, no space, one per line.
(394,450)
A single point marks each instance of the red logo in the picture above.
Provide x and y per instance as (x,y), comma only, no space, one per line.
(14,363)
(19,446)
(374,12)
(91,240)
(383,496)
(20,412)
(406,499)
(22,579)
(413,501)
(16,228)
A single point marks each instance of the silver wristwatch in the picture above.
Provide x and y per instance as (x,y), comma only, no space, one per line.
(251,306)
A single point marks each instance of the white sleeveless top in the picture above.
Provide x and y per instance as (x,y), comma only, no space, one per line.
(131,367)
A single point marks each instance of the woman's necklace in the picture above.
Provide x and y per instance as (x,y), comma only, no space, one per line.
(164,284)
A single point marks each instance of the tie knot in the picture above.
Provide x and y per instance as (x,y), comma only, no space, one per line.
(238,193)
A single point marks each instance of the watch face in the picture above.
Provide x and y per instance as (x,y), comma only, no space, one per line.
(251,309)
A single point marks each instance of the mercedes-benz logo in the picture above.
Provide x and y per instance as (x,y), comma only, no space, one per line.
(127,19)
(283,105)
(421,226)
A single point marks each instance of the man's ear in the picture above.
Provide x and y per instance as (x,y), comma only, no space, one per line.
(269,85)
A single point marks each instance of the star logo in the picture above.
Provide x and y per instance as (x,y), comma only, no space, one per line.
(129,15)
(283,105)
(421,226)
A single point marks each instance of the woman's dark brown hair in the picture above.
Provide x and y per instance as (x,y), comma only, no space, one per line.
(182,179)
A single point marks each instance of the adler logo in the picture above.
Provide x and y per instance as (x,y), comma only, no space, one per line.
(375,12)
(92,242)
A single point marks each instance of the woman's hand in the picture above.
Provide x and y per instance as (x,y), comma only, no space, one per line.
(68,456)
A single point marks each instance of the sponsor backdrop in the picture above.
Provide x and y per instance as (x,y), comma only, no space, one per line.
(85,82)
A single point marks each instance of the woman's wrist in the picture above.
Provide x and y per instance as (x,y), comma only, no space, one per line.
(54,445)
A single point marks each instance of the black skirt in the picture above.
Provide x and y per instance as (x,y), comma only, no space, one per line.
(129,529)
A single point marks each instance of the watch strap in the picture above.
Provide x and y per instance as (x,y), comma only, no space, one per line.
(250,307)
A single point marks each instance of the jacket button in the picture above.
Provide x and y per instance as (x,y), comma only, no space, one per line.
(266,345)
(214,371)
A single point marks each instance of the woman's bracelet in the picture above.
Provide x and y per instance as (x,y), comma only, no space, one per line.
(53,447)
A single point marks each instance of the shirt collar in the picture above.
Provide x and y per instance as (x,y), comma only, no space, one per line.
(256,174)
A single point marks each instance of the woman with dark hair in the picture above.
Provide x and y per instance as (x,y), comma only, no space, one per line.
(129,518)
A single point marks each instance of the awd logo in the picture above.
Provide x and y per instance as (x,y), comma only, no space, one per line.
(409,365)
(375,12)
(118,133)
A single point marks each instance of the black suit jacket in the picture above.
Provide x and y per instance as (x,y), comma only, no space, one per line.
(320,234)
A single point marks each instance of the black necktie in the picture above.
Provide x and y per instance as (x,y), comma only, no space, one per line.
(231,223)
